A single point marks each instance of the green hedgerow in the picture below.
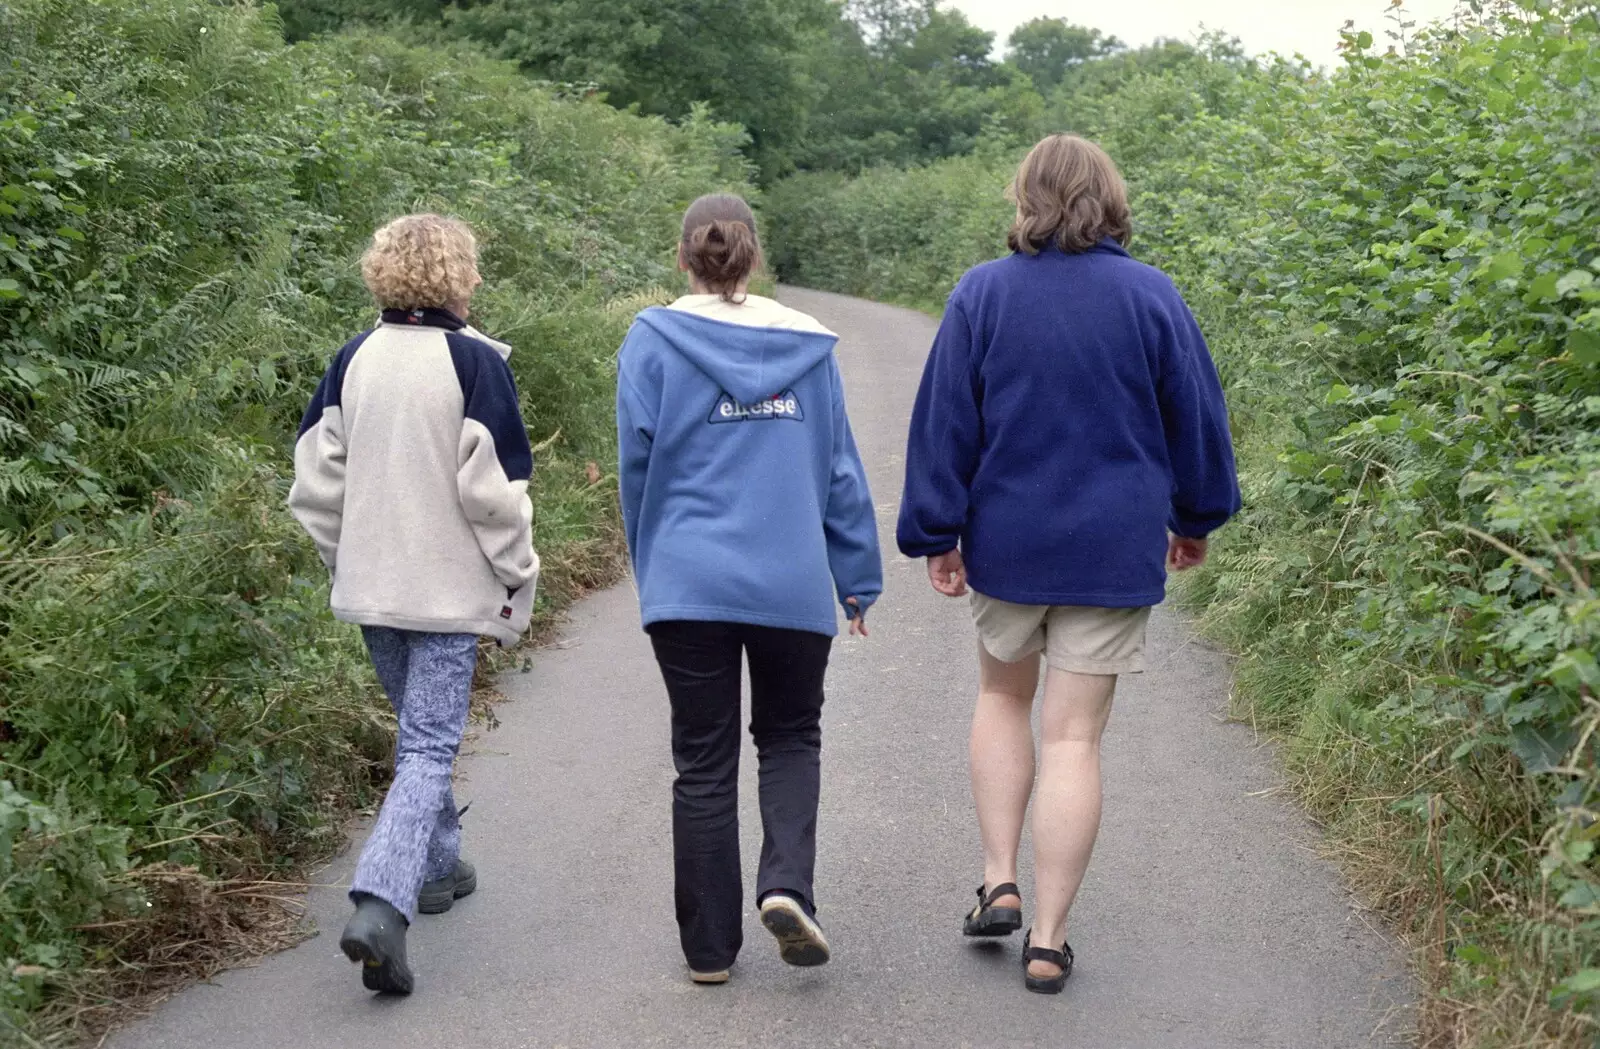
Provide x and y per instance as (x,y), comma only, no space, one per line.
(1399,269)
(183,198)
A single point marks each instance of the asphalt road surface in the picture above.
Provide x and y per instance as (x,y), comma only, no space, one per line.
(1208,920)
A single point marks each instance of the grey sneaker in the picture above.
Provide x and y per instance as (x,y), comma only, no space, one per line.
(375,938)
(440,895)
(800,938)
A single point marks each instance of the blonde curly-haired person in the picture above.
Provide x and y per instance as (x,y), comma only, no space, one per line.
(411,474)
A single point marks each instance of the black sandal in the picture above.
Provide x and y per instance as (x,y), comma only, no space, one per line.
(1045,984)
(988,920)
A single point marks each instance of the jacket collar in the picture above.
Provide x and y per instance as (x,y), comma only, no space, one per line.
(427,317)
(1109,246)
(444,320)
(1106,246)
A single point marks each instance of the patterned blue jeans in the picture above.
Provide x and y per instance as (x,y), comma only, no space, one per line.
(417,837)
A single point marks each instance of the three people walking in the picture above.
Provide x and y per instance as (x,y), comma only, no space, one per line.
(1069,445)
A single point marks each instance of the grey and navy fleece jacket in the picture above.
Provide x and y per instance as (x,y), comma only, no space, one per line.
(411,474)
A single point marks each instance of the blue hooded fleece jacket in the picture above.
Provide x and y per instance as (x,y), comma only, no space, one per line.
(1069,416)
(743,495)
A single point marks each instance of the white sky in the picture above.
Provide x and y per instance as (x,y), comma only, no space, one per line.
(1310,27)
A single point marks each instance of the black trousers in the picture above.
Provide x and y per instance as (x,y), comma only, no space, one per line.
(700,663)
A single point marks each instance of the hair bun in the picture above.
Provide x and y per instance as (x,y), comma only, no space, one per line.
(720,247)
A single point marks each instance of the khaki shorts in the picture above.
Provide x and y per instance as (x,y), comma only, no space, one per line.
(1076,638)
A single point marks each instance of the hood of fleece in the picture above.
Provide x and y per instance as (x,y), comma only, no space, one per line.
(495,344)
(748,362)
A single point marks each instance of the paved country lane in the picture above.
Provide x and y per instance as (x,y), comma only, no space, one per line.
(1207,922)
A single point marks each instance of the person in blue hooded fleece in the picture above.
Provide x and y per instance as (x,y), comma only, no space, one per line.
(750,526)
(1069,443)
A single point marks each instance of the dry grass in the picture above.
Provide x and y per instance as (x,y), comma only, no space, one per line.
(196,927)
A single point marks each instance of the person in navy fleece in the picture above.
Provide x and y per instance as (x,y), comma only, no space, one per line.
(1069,444)
(750,526)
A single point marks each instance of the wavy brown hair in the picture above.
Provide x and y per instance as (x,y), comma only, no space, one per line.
(1068,190)
(720,247)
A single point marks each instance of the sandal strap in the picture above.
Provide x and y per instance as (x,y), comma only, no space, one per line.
(1062,959)
(1045,954)
(1003,889)
(1030,953)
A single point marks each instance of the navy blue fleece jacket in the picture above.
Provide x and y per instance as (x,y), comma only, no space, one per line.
(1069,416)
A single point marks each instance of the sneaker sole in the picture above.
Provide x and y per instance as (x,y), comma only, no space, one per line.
(442,902)
(800,941)
(378,973)
(709,978)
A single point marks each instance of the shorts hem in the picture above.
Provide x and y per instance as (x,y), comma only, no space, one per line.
(1102,667)
(1032,647)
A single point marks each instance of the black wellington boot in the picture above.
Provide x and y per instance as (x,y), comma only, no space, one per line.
(376,938)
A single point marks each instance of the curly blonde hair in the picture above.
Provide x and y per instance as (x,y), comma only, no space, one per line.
(420,261)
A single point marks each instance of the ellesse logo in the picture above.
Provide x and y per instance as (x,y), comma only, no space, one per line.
(783,406)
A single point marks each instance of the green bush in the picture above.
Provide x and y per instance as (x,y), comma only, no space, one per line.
(182,201)
(1397,266)
(895,235)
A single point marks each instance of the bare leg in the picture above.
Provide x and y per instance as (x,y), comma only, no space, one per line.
(1002,763)
(1066,814)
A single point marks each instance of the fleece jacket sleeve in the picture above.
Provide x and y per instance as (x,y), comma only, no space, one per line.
(850,523)
(317,496)
(494,463)
(636,426)
(1195,417)
(942,450)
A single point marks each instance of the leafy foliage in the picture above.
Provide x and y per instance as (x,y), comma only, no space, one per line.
(741,57)
(182,201)
(905,82)
(818,84)
(303,19)
(1047,49)
(1399,268)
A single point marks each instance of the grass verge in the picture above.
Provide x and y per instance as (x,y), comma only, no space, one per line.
(194,925)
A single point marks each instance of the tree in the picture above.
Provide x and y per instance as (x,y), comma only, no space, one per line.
(838,84)
(888,26)
(1048,48)
(663,56)
(947,45)
(905,82)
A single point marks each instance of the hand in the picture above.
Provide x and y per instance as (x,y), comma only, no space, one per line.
(1184,554)
(948,573)
(858,622)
